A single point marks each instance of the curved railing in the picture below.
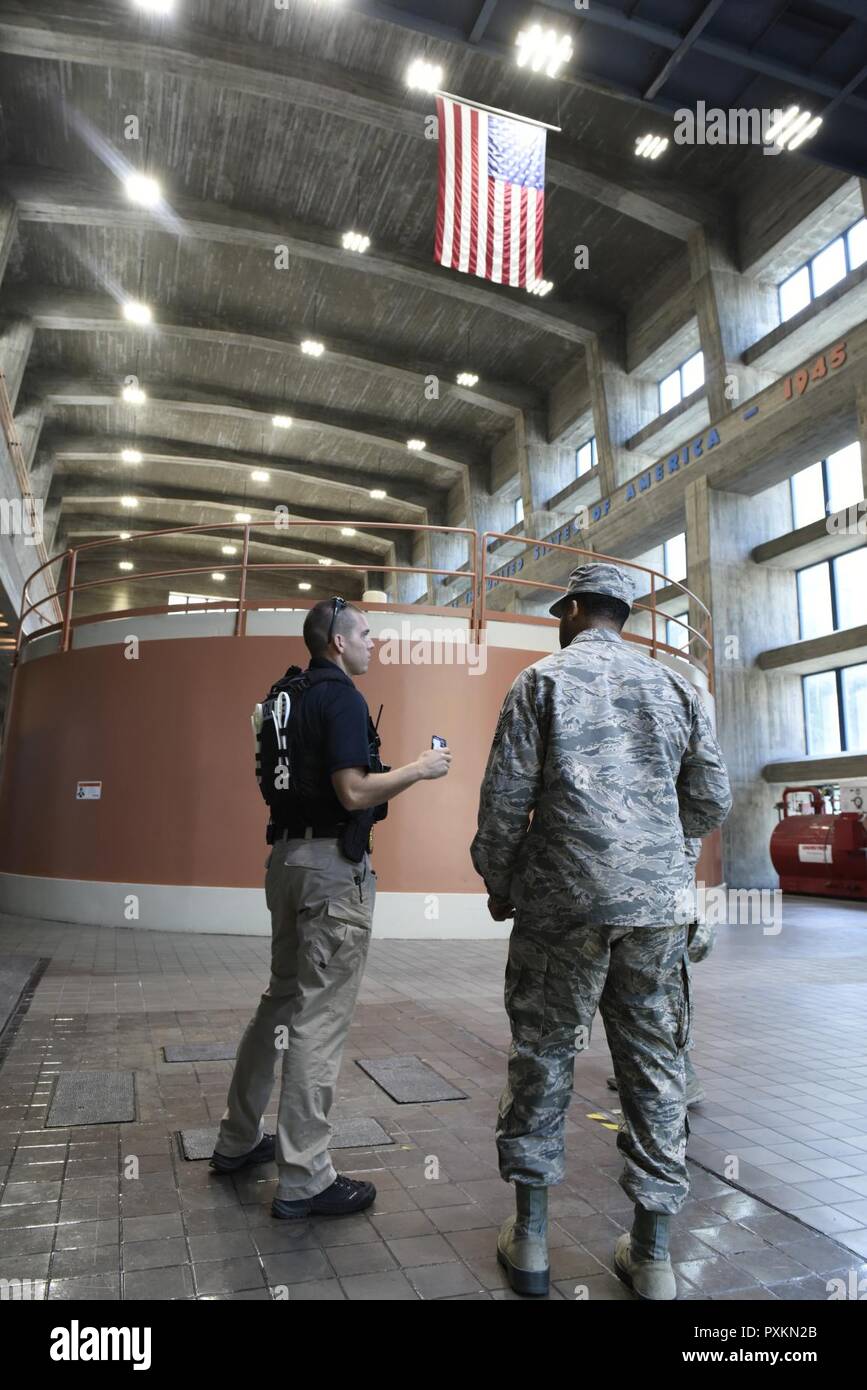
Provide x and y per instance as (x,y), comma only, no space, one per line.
(476,579)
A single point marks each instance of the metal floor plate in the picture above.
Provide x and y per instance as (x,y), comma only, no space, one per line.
(15,973)
(409,1081)
(359,1132)
(92,1098)
(200,1052)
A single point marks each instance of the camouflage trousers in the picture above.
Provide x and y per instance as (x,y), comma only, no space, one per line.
(638,977)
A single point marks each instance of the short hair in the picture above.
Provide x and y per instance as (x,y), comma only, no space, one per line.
(603,606)
(318,621)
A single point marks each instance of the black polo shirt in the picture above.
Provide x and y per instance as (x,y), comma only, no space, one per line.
(329,732)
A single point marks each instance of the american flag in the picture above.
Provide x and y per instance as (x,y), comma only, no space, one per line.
(491,203)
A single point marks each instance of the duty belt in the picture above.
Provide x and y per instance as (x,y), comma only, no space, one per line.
(311,832)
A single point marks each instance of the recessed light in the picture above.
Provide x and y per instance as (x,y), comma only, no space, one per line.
(136,312)
(229,549)
(129,501)
(312,348)
(130,456)
(416,445)
(355,241)
(243,517)
(303,585)
(467,379)
(125,565)
(218,575)
(543,50)
(422,76)
(259,475)
(378,494)
(281,422)
(141,188)
(650,146)
(134,395)
(347,531)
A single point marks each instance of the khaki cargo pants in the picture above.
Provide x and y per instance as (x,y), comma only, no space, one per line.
(321,909)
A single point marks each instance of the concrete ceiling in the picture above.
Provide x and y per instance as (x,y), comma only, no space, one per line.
(282,127)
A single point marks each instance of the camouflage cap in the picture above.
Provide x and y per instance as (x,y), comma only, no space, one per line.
(598,578)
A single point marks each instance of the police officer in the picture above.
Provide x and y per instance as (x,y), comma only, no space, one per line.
(614,757)
(320,890)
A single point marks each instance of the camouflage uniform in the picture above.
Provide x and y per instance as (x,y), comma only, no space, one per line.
(613,756)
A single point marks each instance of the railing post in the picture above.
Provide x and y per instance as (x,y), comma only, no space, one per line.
(241,620)
(71,557)
(653,650)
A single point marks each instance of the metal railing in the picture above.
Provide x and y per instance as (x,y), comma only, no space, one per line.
(476,577)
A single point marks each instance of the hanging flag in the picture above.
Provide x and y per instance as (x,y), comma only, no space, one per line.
(491,202)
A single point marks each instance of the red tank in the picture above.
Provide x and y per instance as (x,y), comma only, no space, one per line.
(821,853)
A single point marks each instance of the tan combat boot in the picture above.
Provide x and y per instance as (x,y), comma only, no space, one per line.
(522,1245)
(641,1258)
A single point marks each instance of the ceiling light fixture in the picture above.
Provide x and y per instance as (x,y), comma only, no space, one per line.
(323,561)
(260,476)
(650,146)
(467,379)
(156,6)
(243,517)
(142,189)
(347,531)
(792,128)
(303,585)
(229,549)
(378,494)
(422,76)
(312,348)
(124,535)
(134,395)
(130,456)
(543,49)
(281,422)
(218,575)
(136,312)
(416,445)
(540,287)
(129,501)
(355,241)
(125,565)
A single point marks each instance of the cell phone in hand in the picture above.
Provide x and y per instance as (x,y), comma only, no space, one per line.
(438,742)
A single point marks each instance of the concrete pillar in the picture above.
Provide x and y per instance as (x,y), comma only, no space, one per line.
(622,405)
(16,340)
(733,311)
(543,470)
(8,230)
(759,714)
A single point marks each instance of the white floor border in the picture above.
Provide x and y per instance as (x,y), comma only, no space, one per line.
(232,911)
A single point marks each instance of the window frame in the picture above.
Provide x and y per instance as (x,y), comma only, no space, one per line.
(838,685)
(678,370)
(594,459)
(808,265)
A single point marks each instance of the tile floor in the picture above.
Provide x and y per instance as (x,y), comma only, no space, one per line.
(781,1047)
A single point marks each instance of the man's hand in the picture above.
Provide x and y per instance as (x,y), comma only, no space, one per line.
(499,910)
(433,763)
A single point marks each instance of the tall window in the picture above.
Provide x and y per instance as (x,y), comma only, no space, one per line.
(835,710)
(827,486)
(674,556)
(831,594)
(676,635)
(585,457)
(519,511)
(830,265)
(685,379)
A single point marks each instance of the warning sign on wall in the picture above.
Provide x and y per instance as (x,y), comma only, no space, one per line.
(88,791)
(815,854)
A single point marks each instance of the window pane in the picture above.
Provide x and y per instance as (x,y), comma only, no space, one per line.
(845,483)
(675,635)
(820,710)
(693,373)
(519,510)
(828,267)
(855,707)
(669,392)
(794,293)
(585,458)
(593,449)
(814,600)
(808,495)
(857,239)
(850,579)
(675,557)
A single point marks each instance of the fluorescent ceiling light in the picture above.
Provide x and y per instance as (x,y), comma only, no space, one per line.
(243,517)
(129,501)
(416,445)
(135,312)
(281,422)
(218,575)
(130,456)
(141,188)
(422,76)
(467,379)
(543,50)
(378,493)
(259,475)
(312,348)
(651,146)
(229,549)
(303,585)
(347,530)
(134,395)
(355,241)
(125,565)
(540,287)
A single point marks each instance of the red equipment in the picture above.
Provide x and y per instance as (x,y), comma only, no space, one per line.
(822,853)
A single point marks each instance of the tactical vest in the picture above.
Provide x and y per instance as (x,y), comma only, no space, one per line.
(289,777)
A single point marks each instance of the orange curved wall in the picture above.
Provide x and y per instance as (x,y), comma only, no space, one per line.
(169,737)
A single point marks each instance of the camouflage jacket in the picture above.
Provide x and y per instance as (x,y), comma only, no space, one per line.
(603,766)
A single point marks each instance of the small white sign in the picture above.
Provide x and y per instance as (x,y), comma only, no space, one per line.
(88,791)
(815,854)
(853,799)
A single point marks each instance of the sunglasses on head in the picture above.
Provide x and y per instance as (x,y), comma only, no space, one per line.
(338,604)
